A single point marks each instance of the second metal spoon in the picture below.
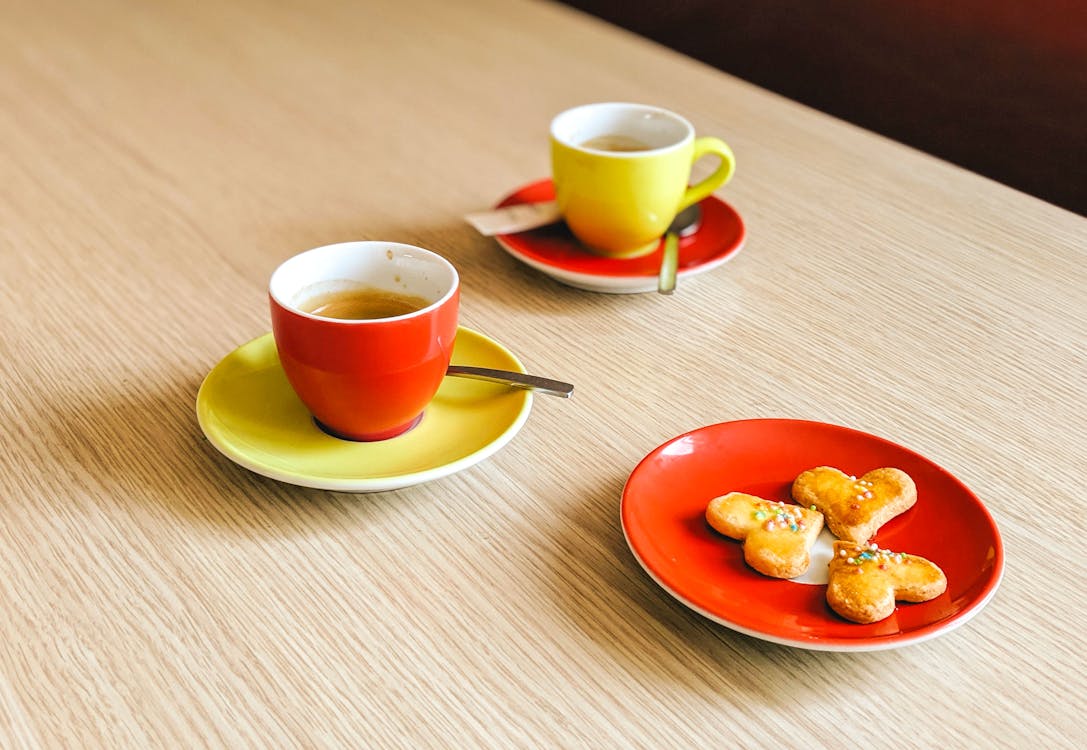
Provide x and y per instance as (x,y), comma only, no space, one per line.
(685,223)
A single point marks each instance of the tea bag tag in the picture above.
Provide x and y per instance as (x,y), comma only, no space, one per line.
(512,219)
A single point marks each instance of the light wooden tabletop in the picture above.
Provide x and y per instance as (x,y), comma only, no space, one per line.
(158,160)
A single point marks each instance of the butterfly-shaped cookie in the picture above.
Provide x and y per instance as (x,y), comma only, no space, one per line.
(866,581)
(777,537)
(855,507)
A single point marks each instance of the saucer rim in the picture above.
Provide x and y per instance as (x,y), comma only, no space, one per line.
(370,484)
(608,282)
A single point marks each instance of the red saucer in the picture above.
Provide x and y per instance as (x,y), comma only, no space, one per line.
(665,499)
(554,250)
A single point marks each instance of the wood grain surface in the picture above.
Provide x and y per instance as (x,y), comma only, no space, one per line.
(158,160)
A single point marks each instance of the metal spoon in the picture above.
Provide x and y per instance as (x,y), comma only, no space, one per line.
(685,223)
(515,379)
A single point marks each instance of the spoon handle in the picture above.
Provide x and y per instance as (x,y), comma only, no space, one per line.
(515,379)
(666,283)
(686,223)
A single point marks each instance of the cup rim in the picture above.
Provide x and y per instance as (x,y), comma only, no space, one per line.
(281,269)
(688,135)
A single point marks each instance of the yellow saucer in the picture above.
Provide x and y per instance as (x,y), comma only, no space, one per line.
(248,411)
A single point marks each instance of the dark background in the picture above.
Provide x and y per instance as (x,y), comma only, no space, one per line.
(997,86)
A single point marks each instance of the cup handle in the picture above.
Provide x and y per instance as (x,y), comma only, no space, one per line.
(704,146)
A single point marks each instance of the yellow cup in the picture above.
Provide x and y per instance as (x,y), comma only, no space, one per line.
(621,173)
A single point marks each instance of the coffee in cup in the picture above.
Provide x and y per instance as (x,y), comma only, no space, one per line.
(621,171)
(365,332)
(615,142)
(362,303)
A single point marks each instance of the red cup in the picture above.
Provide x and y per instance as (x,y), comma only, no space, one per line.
(368,379)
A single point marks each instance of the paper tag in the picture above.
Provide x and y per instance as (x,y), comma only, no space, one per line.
(511,219)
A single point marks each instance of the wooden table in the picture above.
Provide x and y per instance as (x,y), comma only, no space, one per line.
(158,160)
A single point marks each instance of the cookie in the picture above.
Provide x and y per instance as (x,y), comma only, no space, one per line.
(855,507)
(866,581)
(777,537)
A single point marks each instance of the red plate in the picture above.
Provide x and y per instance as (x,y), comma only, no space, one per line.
(665,499)
(554,251)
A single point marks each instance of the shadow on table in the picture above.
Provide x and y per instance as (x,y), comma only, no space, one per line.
(652,635)
(141,444)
